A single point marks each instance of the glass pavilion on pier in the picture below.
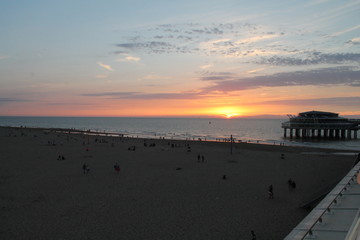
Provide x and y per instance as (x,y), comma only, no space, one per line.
(316,124)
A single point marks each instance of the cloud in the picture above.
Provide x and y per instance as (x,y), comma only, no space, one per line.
(152,46)
(4,100)
(257,38)
(207,66)
(312,58)
(221,39)
(101,76)
(128,59)
(108,67)
(354,41)
(139,95)
(346,31)
(255,70)
(318,77)
(217,76)
(335,101)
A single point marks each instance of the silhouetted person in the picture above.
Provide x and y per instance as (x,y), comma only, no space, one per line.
(224,177)
(290,183)
(253,236)
(117,168)
(271,193)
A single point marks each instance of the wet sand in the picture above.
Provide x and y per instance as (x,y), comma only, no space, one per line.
(161,191)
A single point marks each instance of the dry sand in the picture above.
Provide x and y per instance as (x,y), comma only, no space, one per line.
(161,192)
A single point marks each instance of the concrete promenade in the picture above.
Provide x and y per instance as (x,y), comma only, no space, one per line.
(337,216)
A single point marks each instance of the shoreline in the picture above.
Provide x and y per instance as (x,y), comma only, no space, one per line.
(164,189)
(223,141)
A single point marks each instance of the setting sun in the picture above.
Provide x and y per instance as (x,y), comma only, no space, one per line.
(228,112)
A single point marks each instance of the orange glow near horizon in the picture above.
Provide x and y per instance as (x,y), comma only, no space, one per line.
(227,112)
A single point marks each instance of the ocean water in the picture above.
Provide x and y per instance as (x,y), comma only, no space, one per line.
(264,131)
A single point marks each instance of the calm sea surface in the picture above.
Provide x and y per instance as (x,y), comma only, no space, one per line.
(266,131)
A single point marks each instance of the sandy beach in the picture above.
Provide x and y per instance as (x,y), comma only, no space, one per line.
(162,191)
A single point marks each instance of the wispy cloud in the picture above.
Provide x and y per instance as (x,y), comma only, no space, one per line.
(312,58)
(334,101)
(140,95)
(107,67)
(101,76)
(256,70)
(151,46)
(219,39)
(128,58)
(4,100)
(346,30)
(325,76)
(206,66)
(354,41)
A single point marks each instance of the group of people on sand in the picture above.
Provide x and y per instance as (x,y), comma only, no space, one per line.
(86,168)
(291,185)
(61,157)
(200,158)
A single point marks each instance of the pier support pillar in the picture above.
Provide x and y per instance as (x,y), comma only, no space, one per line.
(319,133)
(312,133)
(291,133)
(348,134)
(297,133)
(337,133)
(342,133)
(355,134)
(285,132)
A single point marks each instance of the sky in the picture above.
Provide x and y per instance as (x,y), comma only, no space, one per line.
(161,58)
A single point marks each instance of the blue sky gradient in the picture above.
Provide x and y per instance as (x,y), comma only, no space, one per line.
(179,58)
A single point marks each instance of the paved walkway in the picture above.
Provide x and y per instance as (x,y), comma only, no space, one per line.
(337,216)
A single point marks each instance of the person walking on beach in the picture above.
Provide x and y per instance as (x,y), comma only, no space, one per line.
(253,235)
(117,168)
(85,168)
(271,193)
(290,183)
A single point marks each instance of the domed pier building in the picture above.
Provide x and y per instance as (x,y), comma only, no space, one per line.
(316,124)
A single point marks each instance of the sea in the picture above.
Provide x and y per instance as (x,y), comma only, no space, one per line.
(258,131)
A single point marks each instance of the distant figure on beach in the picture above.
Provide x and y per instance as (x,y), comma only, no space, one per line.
(271,193)
(291,184)
(117,168)
(85,168)
(224,177)
(253,236)
(198,157)
(202,158)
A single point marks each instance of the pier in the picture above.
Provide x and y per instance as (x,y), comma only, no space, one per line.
(316,124)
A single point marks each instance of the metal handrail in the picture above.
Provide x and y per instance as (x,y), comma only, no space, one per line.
(319,219)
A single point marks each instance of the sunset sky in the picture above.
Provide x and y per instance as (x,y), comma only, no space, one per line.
(227,58)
